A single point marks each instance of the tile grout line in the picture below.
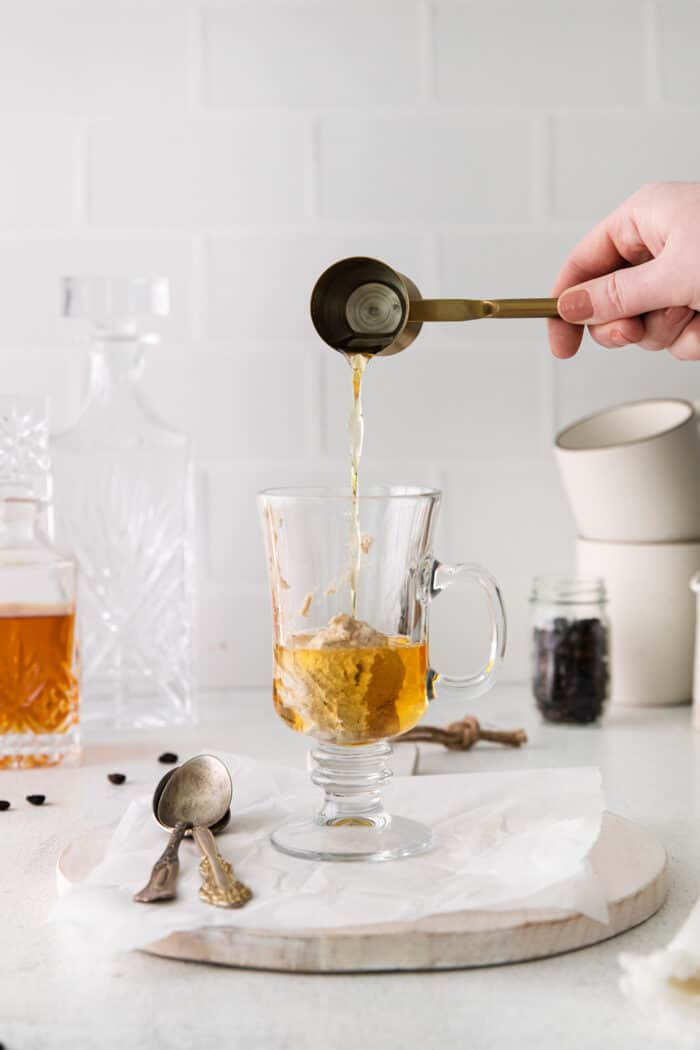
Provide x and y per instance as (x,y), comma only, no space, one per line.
(652,59)
(195,60)
(312,185)
(425,45)
(541,157)
(81,186)
(198,300)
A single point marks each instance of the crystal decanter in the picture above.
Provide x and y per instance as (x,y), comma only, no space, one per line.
(124,504)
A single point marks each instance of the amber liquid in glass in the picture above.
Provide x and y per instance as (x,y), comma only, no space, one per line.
(351,695)
(38,683)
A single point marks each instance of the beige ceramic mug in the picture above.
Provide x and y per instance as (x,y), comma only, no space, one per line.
(652,617)
(632,473)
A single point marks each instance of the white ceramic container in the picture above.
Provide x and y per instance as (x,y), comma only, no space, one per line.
(632,473)
(652,617)
(695,588)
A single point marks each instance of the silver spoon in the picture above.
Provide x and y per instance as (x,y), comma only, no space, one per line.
(198,794)
(161,884)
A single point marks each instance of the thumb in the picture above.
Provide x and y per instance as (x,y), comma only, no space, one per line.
(623,293)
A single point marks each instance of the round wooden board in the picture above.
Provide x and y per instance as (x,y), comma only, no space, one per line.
(630,862)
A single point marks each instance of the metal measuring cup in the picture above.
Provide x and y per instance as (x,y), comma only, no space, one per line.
(362,306)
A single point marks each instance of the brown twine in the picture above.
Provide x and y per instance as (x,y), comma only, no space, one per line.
(460,736)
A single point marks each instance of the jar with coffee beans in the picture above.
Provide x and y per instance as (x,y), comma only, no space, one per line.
(570,647)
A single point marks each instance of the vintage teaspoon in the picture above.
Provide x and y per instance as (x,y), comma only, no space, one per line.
(161,884)
(199,794)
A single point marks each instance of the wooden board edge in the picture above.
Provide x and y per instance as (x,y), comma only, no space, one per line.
(424,950)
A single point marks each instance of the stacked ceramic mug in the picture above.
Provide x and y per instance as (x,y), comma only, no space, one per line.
(632,475)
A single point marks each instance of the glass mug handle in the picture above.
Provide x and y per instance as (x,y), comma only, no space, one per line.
(438,577)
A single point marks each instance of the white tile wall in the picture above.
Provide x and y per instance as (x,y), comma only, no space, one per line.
(239,147)
(183,171)
(310,54)
(538,54)
(422,169)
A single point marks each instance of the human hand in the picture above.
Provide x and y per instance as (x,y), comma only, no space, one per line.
(635,278)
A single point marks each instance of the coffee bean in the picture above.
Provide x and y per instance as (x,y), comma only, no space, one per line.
(168,758)
(116,778)
(4,804)
(36,800)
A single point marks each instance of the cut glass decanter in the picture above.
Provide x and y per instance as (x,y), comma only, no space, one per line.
(123,502)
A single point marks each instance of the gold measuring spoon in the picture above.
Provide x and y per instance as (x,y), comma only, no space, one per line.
(361,305)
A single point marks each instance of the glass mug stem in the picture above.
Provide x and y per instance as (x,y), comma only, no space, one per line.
(352,779)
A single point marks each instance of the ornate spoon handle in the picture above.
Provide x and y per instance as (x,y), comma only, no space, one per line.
(161,885)
(219,887)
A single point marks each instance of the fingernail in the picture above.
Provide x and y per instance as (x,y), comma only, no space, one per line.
(617,337)
(576,305)
(676,314)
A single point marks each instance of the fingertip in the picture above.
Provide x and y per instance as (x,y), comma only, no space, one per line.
(564,339)
(562,353)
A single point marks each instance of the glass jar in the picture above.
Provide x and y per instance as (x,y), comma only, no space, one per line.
(39,687)
(570,647)
(123,502)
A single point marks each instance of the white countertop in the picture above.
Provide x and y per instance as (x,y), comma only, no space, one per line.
(56,998)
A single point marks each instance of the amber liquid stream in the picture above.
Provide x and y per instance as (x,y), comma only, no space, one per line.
(358,363)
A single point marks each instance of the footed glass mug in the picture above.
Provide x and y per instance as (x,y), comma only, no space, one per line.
(351,652)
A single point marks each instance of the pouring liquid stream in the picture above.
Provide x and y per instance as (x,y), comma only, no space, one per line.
(358,363)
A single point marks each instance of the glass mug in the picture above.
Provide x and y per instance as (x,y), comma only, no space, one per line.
(352,682)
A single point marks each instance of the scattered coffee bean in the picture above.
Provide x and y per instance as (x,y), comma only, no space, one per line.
(4,804)
(36,800)
(168,758)
(116,778)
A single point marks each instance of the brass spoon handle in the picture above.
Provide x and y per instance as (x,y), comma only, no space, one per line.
(473,309)
(219,887)
(161,885)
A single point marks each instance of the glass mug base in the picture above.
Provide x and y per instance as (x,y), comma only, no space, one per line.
(311,840)
(352,823)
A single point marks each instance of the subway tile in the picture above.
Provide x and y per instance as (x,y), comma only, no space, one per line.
(539,54)
(601,158)
(678,28)
(236,405)
(197,171)
(319,54)
(93,57)
(39,171)
(424,169)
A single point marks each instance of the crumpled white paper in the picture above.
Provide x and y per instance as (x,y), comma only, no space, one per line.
(503,840)
(666,984)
